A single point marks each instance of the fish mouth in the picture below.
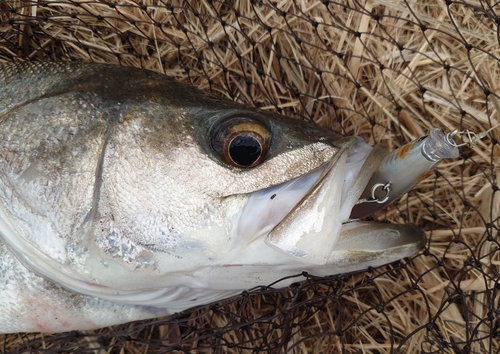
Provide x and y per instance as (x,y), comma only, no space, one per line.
(308,218)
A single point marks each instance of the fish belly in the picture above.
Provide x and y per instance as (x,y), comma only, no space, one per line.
(31,303)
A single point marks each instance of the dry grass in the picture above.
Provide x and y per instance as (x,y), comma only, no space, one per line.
(385,70)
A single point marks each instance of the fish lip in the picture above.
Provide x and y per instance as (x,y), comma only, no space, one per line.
(397,236)
(267,208)
(309,231)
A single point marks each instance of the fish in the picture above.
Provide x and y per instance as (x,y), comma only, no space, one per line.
(125,195)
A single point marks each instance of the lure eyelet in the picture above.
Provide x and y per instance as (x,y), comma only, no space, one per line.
(242,143)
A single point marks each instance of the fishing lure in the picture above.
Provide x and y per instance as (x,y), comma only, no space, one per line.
(402,169)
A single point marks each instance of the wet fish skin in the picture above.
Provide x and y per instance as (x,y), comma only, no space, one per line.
(114,205)
(30,303)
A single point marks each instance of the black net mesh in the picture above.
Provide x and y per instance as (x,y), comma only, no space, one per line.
(385,70)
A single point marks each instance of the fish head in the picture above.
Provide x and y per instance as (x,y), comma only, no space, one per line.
(123,184)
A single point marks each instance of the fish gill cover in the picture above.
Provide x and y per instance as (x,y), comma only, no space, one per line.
(387,71)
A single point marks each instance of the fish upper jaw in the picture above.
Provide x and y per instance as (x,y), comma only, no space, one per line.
(310,231)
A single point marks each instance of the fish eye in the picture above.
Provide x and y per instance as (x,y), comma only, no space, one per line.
(242,144)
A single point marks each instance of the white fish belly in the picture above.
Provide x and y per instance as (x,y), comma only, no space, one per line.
(31,303)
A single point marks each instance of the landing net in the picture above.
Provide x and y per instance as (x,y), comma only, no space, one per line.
(385,70)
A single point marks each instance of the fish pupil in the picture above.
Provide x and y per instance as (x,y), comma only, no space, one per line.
(244,150)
